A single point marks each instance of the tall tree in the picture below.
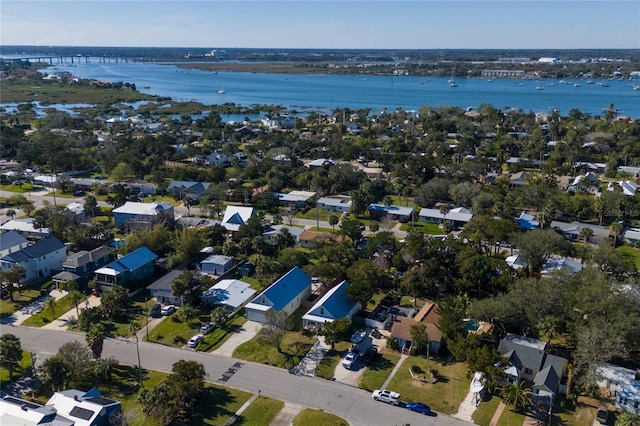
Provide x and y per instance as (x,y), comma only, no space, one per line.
(419,339)
(10,352)
(518,395)
(274,328)
(95,339)
(537,246)
(331,330)
(187,384)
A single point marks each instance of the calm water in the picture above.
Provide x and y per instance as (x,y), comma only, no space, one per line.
(325,92)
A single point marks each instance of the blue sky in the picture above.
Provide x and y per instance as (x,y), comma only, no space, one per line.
(507,24)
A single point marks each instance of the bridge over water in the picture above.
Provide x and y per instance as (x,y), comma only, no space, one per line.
(68,59)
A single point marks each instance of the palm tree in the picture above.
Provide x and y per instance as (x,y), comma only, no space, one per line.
(95,339)
(187,313)
(443,211)
(104,367)
(11,213)
(15,275)
(616,229)
(50,303)
(75,297)
(134,327)
(517,395)
(586,233)
(333,221)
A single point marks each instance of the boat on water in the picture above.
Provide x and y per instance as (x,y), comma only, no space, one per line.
(453,84)
(550,84)
(636,87)
(221,92)
(576,85)
(605,84)
(146,87)
(539,87)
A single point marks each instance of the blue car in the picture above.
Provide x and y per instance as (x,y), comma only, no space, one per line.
(419,407)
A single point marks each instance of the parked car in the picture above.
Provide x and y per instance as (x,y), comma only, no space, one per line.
(349,360)
(368,355)
(195,340)
(418,407)
(168,310)
(358,336)
(387,396)
(207,328)
(154,312)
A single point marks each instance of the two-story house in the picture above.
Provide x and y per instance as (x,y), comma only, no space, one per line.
(80,266)
(10,242)
(133,215)
(138,265)
(39,260)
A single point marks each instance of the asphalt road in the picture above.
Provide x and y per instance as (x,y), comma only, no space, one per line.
(353,404)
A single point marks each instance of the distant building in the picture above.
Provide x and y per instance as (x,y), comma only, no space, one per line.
(25,228)
(236,216)
(335,204)
(134,215)
(39,260)
(216,264)
(269,235)
(394,212)
(10,242)
(457,217)
(80,266)
(188,189)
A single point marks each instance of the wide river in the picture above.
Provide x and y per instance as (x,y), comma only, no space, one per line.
(326,92)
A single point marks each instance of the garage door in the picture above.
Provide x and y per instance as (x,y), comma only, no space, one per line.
(255,315)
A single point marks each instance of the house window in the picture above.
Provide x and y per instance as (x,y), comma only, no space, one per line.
(321,311)
(264,301)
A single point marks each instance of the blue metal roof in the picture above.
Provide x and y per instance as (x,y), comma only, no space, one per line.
(133,260)
(337,303)
(291,284)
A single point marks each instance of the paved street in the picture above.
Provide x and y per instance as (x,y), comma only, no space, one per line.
(354,405)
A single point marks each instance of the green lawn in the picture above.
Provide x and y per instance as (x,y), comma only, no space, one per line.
(216,338)
(328,364)
(444,396)
(62,306)
(261,412)
(428,228)
(23,365)
(7,307)
(378,371)
(311,417)
(511,418)
(630,254)
(22,189)
(293,348)
(485,411)
(218,404)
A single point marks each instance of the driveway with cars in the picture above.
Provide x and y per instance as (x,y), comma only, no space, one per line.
(352,376)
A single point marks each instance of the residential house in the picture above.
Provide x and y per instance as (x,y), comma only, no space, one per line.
(230,294)
(624,383)
(632,236)
(457,217)
(138,265)
(25,228)
(628,187)
(572,231)
(188,189)
(558,263)
(394,212)
(516,262)
(161,290)
(294,198)
(527,221)
(528,360)
(518,180)
(335,304)
(270,234)
(39,260)
(143,215)
(217,158)
(216,264)
(588,182)
(314,239)
(85,408)
(11,241)
(246,269)
(427,316)
(236,216)
(321,162)
(140,186)
(284,295)
(16,411)
(335,204)
(77,209)
(80,266)
(631,171)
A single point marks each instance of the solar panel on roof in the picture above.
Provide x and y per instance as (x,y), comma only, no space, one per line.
(100,400)
(21,402)
(81,413)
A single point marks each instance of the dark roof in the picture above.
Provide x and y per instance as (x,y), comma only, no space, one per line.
(81,413)
(548,378)
(101,400)
(11,239)
(36,250)
(83,257)
(164,282)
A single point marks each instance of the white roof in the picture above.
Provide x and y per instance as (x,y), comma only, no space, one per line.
(330,201)
(77,208)
(459,214)
(22,225)
(557,263)
(234,216)
(148,209)
(516,262)
(231,292)
(107,271)
(632,234)
(628,187)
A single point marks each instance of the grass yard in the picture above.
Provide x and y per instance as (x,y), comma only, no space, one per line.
(23,365)
(485,411)
(293,348)
(7,307)
(428,228)
(217,337)
(630,254)
(62,306)
(327,366)
(511,418)
(253,282)
(18,189)
(311,417)
(218,404)
(378,371)
(261,412)
(444,396)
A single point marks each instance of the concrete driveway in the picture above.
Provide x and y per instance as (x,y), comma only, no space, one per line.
(352,376)
(245,333)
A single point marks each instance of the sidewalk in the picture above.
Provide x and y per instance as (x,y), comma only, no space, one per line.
(497,414)
(394,371)
(71,316)
(34,307)
(287,414)
(467,407)
(311,360)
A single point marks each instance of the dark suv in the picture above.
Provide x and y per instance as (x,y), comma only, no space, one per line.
(154,312)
